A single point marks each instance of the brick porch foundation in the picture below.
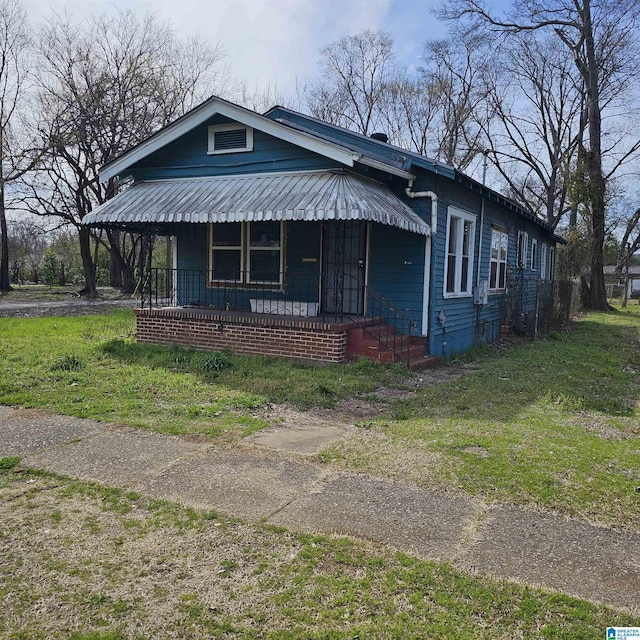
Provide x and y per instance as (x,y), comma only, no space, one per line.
(281,336)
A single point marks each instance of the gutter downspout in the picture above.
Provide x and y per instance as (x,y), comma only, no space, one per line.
(426,310)
(484,178)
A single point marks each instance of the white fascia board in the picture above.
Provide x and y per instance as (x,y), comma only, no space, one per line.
(207,110)
(377,164)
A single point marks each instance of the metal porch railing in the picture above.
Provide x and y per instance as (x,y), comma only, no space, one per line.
(390,326)
(292,293)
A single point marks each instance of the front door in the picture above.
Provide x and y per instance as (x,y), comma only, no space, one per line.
(344,252)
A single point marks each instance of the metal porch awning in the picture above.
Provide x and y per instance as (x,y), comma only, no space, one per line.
(308,196)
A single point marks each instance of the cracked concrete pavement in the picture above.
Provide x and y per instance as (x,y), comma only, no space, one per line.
(265,482)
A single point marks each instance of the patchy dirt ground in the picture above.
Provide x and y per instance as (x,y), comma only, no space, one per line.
(36,301)
(354,410)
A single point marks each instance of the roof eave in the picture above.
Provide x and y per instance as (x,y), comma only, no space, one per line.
(382,166)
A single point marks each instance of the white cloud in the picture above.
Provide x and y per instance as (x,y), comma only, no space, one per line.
(271,41)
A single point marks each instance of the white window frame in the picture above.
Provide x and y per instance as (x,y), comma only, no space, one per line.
(215,128)
(534,254)
(500,233)
(245,254)
(461,217)
(543,261)
(552,263)
(522,246)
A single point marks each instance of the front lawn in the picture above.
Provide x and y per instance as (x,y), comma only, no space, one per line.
(552,424)
(90,367)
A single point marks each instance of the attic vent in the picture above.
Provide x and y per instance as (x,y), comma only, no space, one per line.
(230,138)
(383,137)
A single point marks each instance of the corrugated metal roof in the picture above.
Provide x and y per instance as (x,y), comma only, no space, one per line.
(293,196)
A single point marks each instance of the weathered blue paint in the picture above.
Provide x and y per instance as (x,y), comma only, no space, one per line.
(466,324)
(396,269)
(188,157)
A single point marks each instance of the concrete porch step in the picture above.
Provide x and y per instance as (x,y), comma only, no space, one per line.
(424,362)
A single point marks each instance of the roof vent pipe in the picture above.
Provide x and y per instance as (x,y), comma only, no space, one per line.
(383,137)
(434,205)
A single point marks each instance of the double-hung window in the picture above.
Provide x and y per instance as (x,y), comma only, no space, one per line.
(523,242)
(498,259)
(458,268)
(544,267)
(534,254)
(247,253)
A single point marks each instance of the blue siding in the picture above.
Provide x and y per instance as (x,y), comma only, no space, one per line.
(396,268)
(192,246)
(396,258)
(466,324)
(187,157)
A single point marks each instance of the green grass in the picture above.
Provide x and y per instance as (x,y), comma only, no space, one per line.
(84,562)
(91,367)
(553,423)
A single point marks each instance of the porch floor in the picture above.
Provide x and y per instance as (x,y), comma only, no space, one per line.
(322,322)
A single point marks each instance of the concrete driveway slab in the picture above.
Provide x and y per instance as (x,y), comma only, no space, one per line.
(421,522)
(117,456)
(307,441)
(576,558)
(26,431)
(249,485)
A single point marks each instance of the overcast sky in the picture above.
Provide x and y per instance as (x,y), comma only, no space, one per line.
(274,41)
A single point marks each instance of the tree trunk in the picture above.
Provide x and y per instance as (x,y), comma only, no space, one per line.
(597,289)
(5,282)
(115,259)
(88,266)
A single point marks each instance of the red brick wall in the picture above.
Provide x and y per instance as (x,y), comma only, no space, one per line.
(298,338)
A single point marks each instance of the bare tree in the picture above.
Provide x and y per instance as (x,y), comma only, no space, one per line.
(15,157)
(630,243)
(356,71)
(592,32)
(260,98)
(460,71)
(105,85)
(27,244)
(409,110)
(437,110)
(538,106)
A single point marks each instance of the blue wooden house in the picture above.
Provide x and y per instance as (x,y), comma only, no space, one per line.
(297,238)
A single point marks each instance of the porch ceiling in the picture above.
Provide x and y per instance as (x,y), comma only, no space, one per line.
(309,196)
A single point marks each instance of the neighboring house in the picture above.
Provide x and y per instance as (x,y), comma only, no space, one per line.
(298,238)
(615,281)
